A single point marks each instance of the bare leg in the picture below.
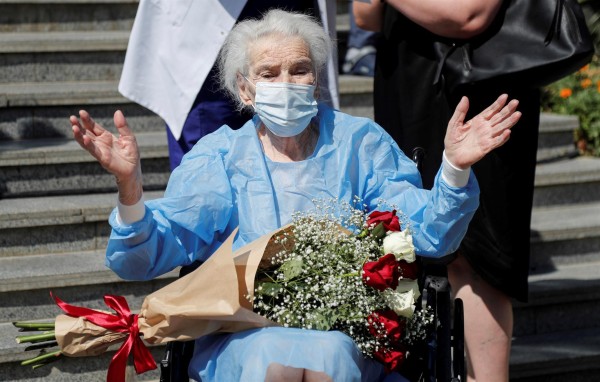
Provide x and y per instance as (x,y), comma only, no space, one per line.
(488,323)
(316,376)
(276,372)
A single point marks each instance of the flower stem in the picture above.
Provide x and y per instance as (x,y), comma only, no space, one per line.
(25,326)
(47,357)
(46,336)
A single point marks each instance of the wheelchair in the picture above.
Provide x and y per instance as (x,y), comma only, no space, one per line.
(440,359)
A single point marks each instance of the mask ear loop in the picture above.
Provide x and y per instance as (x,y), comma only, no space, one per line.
(250,82)
(246,78)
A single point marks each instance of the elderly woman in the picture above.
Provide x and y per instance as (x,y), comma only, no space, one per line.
(293,151)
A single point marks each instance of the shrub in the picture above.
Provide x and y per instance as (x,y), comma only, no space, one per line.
(579,94)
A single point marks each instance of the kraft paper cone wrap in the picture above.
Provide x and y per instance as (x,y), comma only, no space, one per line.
(214,298)
(77,337)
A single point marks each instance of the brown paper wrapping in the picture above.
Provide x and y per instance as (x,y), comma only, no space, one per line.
(77,337)
(214,298)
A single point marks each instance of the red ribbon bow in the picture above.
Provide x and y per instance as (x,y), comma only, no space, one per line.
(122,322)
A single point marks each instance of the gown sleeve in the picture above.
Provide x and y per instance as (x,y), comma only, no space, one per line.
(438,218)
(187,224)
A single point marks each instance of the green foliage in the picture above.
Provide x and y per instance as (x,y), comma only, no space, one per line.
(579,94)
(292,268)
(591,10)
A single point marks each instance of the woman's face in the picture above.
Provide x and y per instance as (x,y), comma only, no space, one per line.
(277,58)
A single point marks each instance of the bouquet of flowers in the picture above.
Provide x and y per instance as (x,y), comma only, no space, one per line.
(345,271)
(362,281)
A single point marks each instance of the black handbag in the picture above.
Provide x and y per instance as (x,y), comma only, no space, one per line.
(530,42)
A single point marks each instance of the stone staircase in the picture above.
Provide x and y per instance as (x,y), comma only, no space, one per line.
(58,56)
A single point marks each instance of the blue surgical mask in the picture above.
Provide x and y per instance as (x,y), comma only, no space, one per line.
(286,109)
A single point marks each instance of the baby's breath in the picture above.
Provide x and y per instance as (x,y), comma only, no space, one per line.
(316,283)
(419,326)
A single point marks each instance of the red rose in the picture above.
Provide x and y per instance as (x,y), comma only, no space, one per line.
(382,274)
(391,359)
(409,270)
(386,323)
(388,218)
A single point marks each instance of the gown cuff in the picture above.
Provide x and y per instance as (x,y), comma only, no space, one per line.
(130,214)
(452,175)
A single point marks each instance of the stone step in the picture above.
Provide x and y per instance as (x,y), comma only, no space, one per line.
(567,181)
(66,150)
(58,166)
(63,41)
(60,93)
(62,56)
(566,348)
(572,355)
(560,234)
(56,66)
(67,369)
(556,140)
(98,92)
(66,15)
(57,270)
(567,294)
(40,122)
(29,110)
(66,55)
(36,304)
(56,224)
(41,109)
(356,95)
(80,278)
(564,234)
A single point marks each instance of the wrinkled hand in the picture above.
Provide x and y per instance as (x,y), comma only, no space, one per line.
(467,142)
(118,155)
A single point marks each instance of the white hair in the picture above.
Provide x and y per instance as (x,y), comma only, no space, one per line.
(234,57)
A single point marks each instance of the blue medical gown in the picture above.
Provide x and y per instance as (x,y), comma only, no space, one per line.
(226,181)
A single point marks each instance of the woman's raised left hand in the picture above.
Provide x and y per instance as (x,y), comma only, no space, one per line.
(467,142)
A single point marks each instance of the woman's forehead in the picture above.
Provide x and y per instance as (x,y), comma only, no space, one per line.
(276,50)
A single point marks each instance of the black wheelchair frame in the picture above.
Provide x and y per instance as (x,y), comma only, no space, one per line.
(445,353)
(442,359)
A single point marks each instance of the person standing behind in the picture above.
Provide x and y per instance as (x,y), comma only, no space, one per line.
(170,63)
(359,59)
(492,264)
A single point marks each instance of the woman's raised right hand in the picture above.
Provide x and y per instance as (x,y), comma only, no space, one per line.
(118,155)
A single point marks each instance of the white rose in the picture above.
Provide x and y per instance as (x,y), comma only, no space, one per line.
(401,245)
(402,299)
